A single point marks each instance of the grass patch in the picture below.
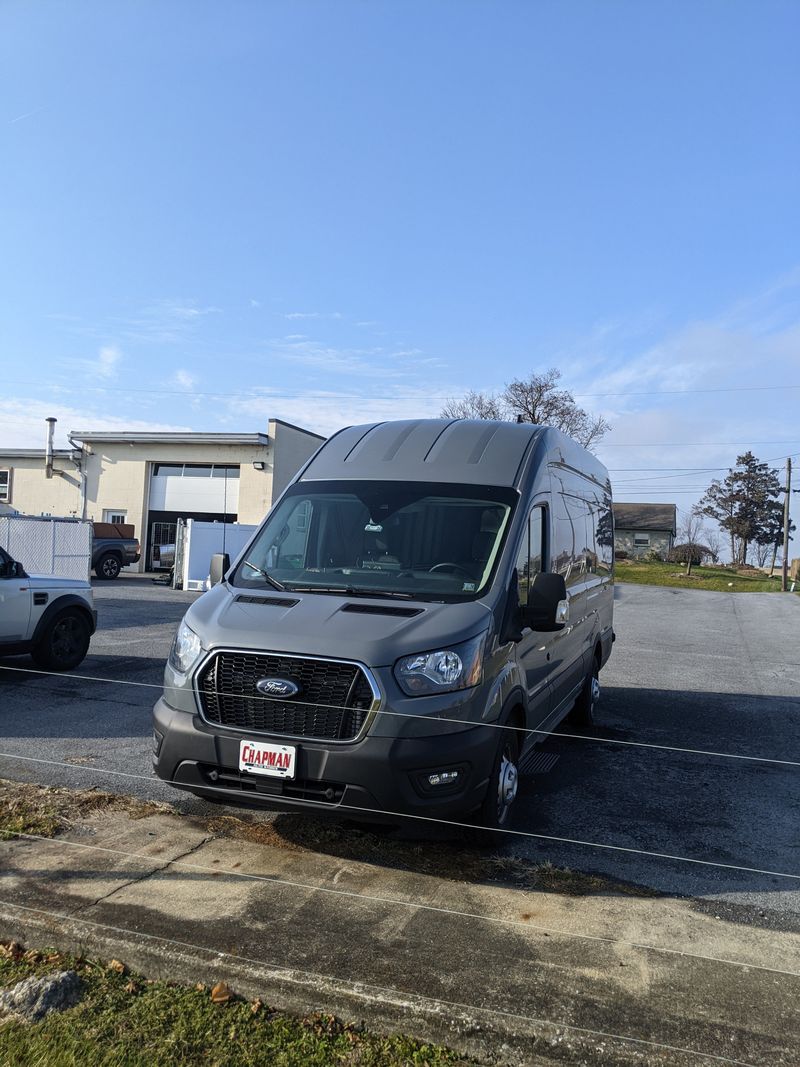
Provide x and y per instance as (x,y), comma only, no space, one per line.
(720,579)
(123,1019)
(47,811)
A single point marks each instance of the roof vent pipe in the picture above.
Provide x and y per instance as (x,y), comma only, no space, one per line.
(48,456)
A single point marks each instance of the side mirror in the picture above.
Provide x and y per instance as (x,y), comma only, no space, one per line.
(220,564)
(547,607)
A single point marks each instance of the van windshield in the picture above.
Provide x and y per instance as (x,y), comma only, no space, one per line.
(408,540)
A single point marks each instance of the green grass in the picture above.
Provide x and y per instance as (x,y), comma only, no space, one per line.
(722,579)
(124,1021)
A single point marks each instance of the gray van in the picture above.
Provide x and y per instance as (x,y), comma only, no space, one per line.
(422,604)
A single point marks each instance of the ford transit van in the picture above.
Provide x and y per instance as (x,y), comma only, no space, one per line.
(422,604)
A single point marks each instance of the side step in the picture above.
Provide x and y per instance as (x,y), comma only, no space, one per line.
(538,762)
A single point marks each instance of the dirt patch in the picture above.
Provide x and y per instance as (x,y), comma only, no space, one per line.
(454,859)
(47,810)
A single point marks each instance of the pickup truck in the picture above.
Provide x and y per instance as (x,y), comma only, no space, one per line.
(112,550)
(51,618)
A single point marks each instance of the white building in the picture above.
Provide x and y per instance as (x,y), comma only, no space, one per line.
(150,480)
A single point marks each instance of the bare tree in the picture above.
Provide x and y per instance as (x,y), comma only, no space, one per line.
(691,532)
(762,552)
(474,406)
(535,399)
(714,544)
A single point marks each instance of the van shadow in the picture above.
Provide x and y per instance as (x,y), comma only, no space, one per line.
(599,792)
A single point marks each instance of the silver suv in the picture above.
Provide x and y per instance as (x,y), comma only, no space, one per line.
(52,618)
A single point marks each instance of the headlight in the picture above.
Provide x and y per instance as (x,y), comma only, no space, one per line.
(185,649)
(459,667)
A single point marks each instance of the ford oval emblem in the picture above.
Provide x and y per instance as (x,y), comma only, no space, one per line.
(277,687)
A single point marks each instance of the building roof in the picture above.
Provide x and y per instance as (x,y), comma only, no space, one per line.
(34,453)
(300,429)
(180,438)
(646,517)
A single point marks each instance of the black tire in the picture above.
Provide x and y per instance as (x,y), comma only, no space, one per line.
(496,812)
(64,643)
(585,707)
(108,567)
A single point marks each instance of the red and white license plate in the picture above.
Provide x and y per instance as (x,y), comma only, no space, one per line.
(275,761)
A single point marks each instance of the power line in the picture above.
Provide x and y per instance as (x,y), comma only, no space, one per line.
(256,394)
(372,812)
(412,715)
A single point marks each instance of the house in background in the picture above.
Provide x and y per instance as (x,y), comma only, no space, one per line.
(643,528)
(151,480)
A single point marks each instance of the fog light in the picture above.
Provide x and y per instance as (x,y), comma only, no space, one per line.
(158,740)
(443,777)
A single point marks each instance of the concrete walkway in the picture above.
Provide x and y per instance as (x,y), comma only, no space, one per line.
(494,969)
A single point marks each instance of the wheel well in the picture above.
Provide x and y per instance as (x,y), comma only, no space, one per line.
(60,607)
(64,608)
(598,655)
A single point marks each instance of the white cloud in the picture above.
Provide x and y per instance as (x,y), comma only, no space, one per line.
(24,426)
(374,362)
(326,412)
(104,365)
(107,359)
(313,315)
(184,380)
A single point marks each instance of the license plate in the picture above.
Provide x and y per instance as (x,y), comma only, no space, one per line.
(275,761)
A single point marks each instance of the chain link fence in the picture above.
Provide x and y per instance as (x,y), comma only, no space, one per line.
(61,547)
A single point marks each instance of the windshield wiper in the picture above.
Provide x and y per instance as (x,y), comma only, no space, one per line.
(349,590)
(265,575)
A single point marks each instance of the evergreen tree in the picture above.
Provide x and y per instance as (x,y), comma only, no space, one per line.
(746,504)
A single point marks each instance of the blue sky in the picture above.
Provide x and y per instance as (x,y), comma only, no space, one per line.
(336,212)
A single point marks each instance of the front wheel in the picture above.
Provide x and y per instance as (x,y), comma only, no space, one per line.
(64,643)
(496,810)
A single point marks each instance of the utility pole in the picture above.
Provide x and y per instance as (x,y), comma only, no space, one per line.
(786,524)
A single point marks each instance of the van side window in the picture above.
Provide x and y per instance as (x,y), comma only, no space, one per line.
(530,554)
(289,547)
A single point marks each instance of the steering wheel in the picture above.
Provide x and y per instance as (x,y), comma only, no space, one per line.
(449,567)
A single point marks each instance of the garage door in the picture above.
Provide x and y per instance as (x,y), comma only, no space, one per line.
(187,488)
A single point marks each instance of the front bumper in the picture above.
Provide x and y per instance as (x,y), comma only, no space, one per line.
(378,776)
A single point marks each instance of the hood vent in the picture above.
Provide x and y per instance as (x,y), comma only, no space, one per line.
(267,601)
(380,609)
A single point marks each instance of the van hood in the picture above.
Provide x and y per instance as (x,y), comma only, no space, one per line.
(50,581)
(369,630)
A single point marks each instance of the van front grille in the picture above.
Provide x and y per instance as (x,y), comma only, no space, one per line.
(333,701)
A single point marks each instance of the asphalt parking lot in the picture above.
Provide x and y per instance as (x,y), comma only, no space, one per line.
(696,670)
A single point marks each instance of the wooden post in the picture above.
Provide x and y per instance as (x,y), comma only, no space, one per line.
(786,524)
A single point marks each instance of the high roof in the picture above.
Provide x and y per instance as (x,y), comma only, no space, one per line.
(427,450)
(646,517)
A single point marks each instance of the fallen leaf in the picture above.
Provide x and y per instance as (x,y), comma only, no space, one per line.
(221,993)
(13,951)
(256,1007)
(201,988)
(118,966)
(131,987)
